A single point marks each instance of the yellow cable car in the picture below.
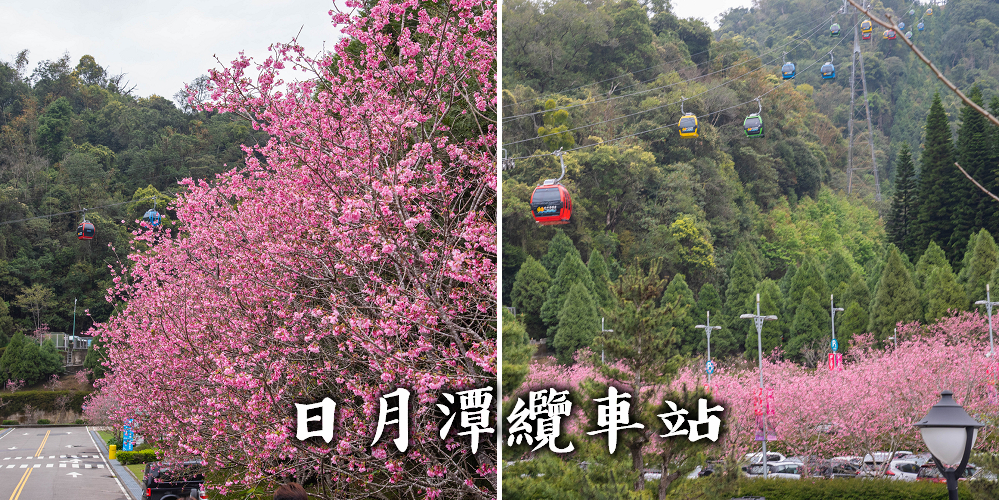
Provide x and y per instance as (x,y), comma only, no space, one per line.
(866,26)
(929,12)
(688,125)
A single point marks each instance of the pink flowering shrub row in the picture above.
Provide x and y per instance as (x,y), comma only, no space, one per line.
(354,254)
(868,406)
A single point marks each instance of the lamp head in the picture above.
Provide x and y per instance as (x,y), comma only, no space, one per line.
(943,429)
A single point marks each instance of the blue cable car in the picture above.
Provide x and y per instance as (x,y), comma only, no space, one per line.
(788,71)
(153,217)
(920,26)
(828,71)
(901,25)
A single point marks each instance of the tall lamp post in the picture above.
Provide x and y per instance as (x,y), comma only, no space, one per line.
(833,330)
(603,331)
(949,433)
(758,321)
(709,366)
(989,315)
(893,339)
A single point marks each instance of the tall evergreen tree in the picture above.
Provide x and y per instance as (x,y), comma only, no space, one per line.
(807,276)
(810,327)
(942,293)
(981,266)
(679,296)
(599,273)
(857,291)
(743,277)
(973,147)
(838,270)
(935,186)
(571,271)
(852,321)
(988,211)
(786,281)
(932,258)
(531,286)
(517,351)
(578,323)
(11,356)
(559,246)
(896,299)
(772,332)
(901,226)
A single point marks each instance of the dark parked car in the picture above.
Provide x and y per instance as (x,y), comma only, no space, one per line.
(172,481)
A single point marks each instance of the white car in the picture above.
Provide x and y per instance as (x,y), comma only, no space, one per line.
(783,470)
(754,458)
(899,470)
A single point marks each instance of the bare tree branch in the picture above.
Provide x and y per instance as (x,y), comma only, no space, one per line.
(922,57)
(980,186)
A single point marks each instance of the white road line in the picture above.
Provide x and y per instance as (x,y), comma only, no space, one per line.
(62,465)
(36,466)
(48,465)
(76,466)
(18,458)
(62,456)
(87,466)
(11,466)
(6,458)
(52,456)
(105,460)
(100,466)
(25,466)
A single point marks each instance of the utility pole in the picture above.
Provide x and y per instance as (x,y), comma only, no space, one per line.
(603,331)
(989,315)
(709,366)
(758,321)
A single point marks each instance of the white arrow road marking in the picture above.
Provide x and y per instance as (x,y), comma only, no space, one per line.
(74,474)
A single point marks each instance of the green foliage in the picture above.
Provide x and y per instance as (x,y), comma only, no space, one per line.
(942,293)
(896,299)
(11,422)
(587,474)
(838,270)
(847,489)
(936,184)
(46,401)
(901,225)
(680,297)
(517,352)
(570,272)
(599,273)
(559,246)
(743,276)
(982,264)
(807,276)
(810,328)
(94,361)
(44,421)
(852,321)
(528,294)
(932,258)
(553,132)
(80,421)
(578,322)
(694,251)
(136,457)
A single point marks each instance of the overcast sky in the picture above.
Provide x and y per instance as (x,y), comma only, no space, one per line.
(160,45)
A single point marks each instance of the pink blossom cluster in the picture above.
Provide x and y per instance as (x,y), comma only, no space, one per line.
(868,406)
(353,254)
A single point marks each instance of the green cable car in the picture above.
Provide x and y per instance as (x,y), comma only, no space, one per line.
(753,126)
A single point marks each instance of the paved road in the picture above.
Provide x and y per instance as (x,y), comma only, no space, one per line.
(54,464)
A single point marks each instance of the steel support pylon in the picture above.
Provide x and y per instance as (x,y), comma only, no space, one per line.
(857,63)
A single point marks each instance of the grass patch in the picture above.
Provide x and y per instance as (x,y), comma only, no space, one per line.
(105,436)
(136,470)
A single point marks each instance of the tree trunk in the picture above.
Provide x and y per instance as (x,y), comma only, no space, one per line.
(636,451)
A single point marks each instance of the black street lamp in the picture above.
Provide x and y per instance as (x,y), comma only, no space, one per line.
(949,433)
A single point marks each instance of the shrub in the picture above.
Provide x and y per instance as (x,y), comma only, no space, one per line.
(847,489)
(80,421)
(42,400)
(136,457)
(44,421)
(11,422)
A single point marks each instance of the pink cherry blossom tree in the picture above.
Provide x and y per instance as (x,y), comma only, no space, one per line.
(354,254)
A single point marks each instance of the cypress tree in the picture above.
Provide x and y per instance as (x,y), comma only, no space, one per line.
(578,323)
(570,272)
(558,248)
(896,299)
(901,226)
(517,351)
(942,293)
(810,326)
(599,274)
(838,270)
(972,148)
(742,282)
(988,211)
(932,258)
(936,180)
(786,281)
(857,291)
(51,362)
(531,286)
(680,297)
(852,321)
(708,300)
(11,356)
(772,333)
(981,265)
(807,276)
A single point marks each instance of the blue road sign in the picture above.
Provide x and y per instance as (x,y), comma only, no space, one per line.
(710,367)
(834,345)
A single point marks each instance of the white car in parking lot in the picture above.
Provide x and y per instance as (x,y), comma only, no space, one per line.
(783,470)
(899,470)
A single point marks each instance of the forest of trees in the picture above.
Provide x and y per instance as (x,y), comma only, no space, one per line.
(75,137)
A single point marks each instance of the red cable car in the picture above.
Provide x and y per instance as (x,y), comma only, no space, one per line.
(85,231)
(550,203)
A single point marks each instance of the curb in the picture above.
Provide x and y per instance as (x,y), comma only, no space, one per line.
(129,482)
